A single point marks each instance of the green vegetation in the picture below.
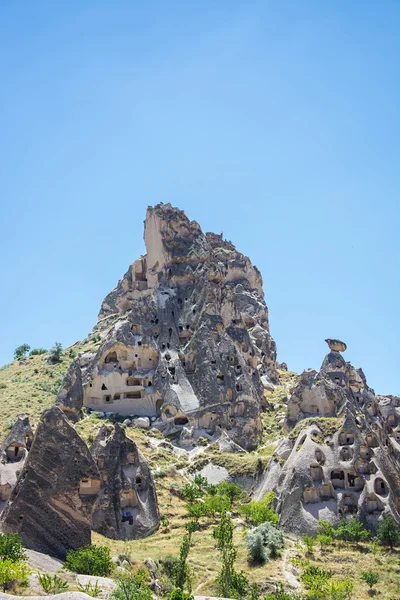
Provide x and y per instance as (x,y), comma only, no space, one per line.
(371,578)
(56,353)
(230,583)
(12,573)
(90,589)
(132,587)
(11,547)
(52,585)
(327,425)
(90,560)
(21,351)
(257,512)
(388,533)
(264,542)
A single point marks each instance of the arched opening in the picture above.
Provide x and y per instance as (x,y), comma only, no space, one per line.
(381,487)
(371,409)
(15,452)
(349,502)
(317,473)
(372,440)
(374,504)
(361,466)
(346,438)
(128,498)
(392,420)
(346,453)
(327,490)
(337,478)
(319,455)
(111,358)
(310,495)
(365,452)
(181,420)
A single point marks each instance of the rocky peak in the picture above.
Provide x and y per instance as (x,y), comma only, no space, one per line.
(185,336)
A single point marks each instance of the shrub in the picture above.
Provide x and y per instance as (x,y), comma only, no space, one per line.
(52,585)
(209,508)
(21,351)
(191,492)
(280,594)
(371,578)
(231,583)
(352,530)
(56,353)
(324,541)
(12,572)
(315,578)
(326,528)
(37,351)
(90,589)
(388,533)
(90,560)
(255,547)
(264,542)
(131,588)
(260,512)
(180,595)
(11,547)
(309,543)
(169,563)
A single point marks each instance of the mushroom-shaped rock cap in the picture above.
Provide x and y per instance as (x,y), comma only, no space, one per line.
(336,345)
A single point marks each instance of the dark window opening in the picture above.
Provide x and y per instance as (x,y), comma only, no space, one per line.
(117,396)
(107,398)
(134,395)
(103,387)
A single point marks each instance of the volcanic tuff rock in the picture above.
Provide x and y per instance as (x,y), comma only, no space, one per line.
(127,506)
(185,336)
(345,463)
(13,453)
(52,502)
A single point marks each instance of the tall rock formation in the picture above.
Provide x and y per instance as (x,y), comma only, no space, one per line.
(52,503)
(127,507)
(185,336)
(345,459)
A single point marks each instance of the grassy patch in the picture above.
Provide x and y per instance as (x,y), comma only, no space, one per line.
(327,425)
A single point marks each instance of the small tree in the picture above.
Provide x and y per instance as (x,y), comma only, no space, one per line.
(233,491)
(229,581)
(12,572)
(388,533)
(182,574)
(11,547)
(352,530)
(255,547)
(56,353)
(324,541)
(21,351)
(52,585)
(371,578)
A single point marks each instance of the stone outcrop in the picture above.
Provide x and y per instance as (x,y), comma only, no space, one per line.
(127,506)
(346,463)
(185,336)
(70,397)
(52,502)
(13,453)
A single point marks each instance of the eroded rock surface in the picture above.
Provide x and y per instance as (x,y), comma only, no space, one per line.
(185,336)
(52,502)
(13,453)
(127,507)
(346,463)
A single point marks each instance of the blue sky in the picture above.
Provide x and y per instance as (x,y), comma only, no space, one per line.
(275,121)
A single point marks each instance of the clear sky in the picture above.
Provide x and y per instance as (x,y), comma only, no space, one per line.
(274,121)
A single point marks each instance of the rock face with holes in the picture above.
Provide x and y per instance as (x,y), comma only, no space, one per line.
(346,463)
(127,506)
(52,503)
(13,453)
(184,336)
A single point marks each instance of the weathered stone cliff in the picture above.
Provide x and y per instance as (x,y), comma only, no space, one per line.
(185,337)
(52,503)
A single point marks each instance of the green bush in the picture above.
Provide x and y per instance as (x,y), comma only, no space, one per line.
(169,563)
(315,579)
(260,512)
(324,541)
(90,589)
(309,543)
(37,351)
(11,547)
(388,533)
(52,585)
(233,491)
(352,530)
(209,507)
(90,560)
(264,542)
(12,572)
(280,594)
(180,595)
(132,588)
(371,578)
